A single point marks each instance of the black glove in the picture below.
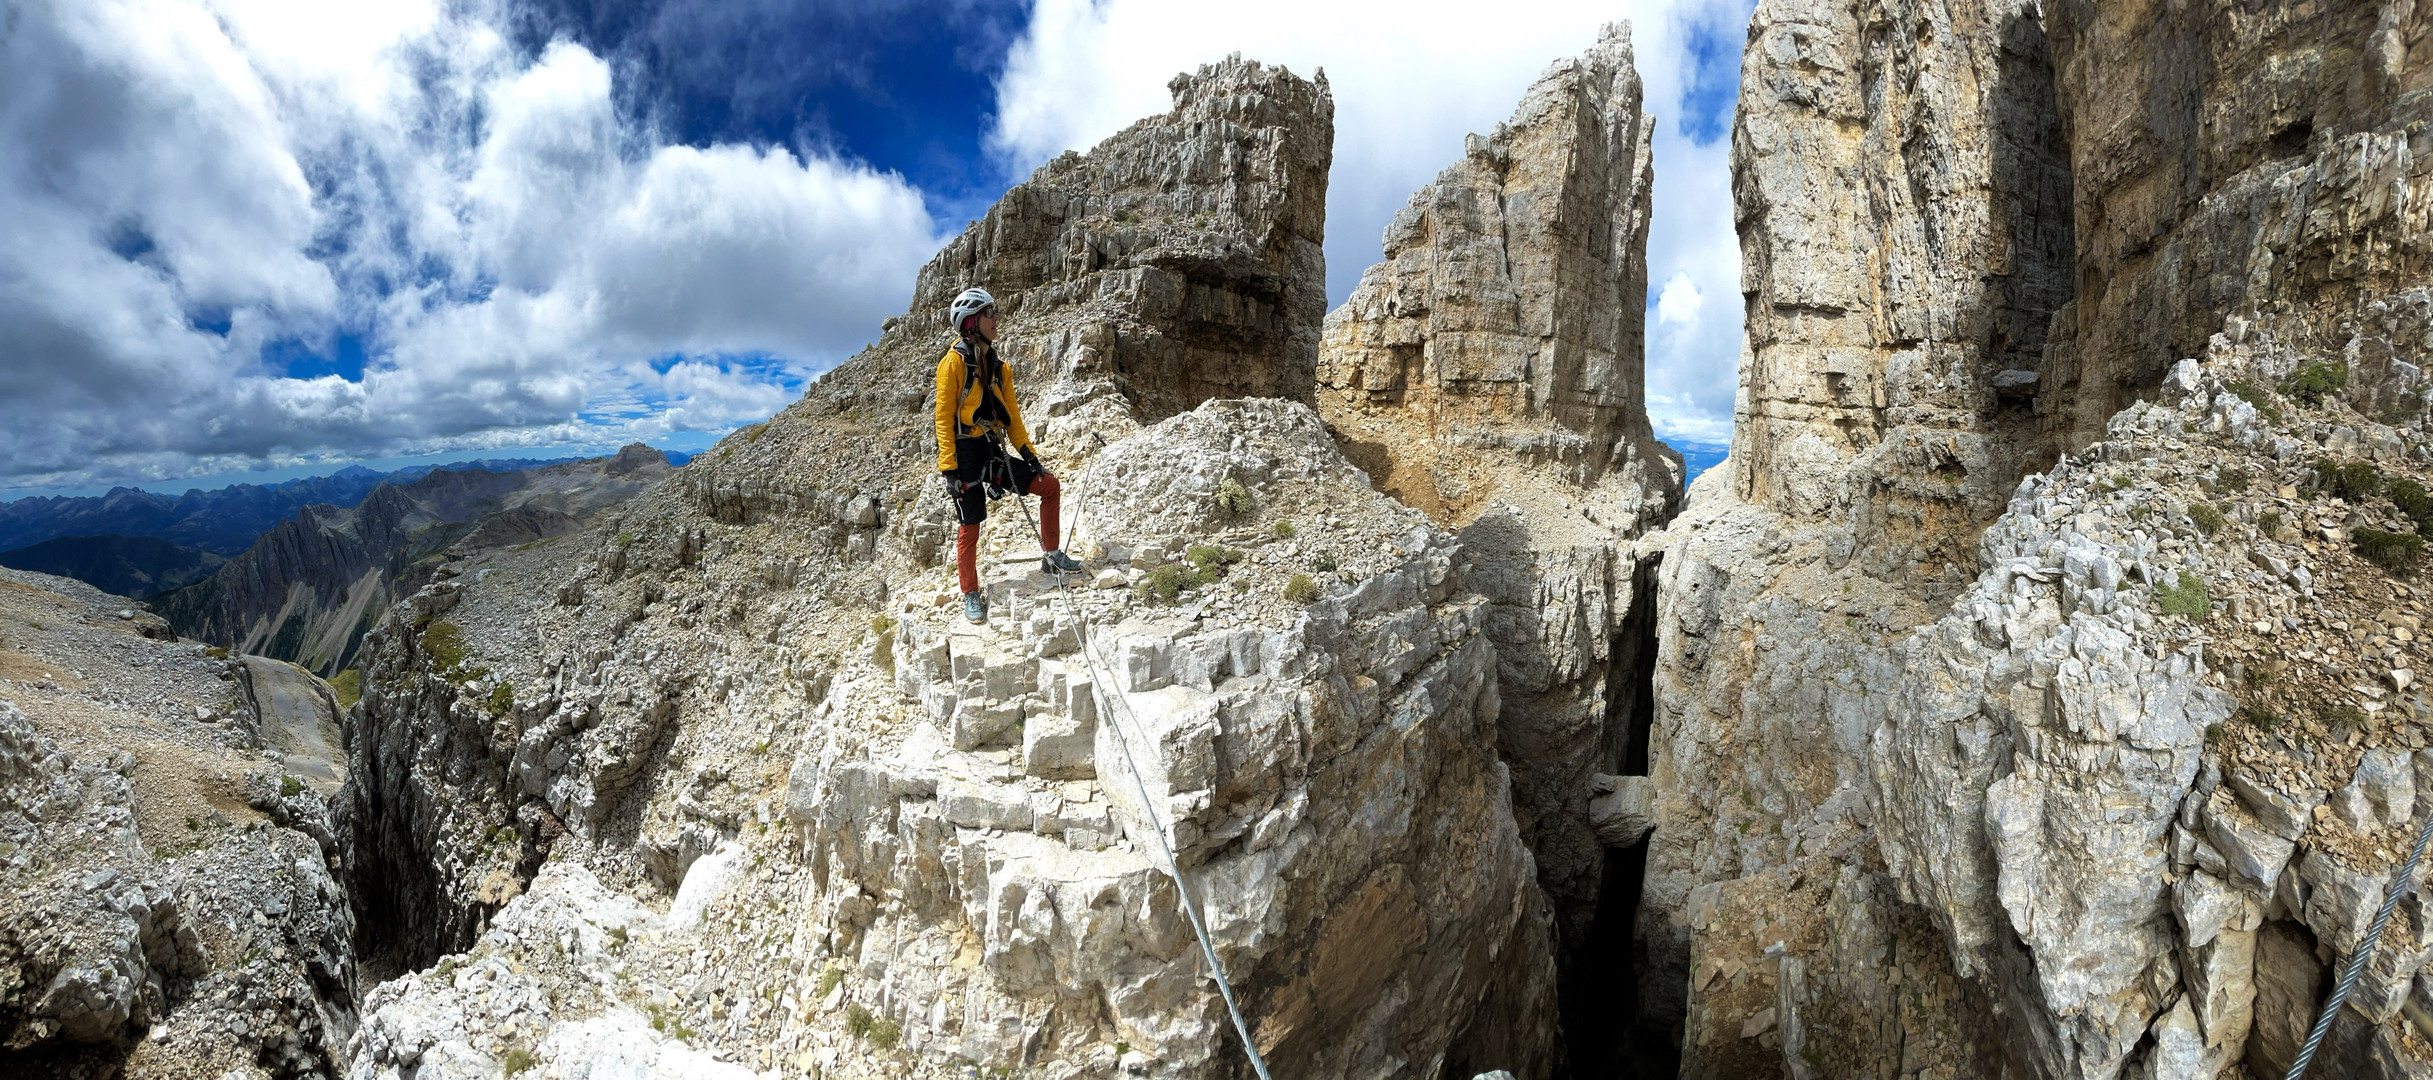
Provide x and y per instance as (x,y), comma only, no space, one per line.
(1031,454)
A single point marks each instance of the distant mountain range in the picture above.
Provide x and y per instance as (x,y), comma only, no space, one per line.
(222,522)
(136,566)
(314,584)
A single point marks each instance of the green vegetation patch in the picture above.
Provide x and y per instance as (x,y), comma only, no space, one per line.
(2208,519)
(1231,498)
(2187,598)
(2255,395)
(1300,589)
(1284,530)
(1204,564)
(444,643)
(2397,552)
(2314,382)
(2351,481)
(1165,584)
(2231,480)
(2412,499)
(2343,716)
(1211,558)
(347,687)
(517,1059)
(502,699)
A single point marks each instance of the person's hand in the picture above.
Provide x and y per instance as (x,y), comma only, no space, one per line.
(1031,454)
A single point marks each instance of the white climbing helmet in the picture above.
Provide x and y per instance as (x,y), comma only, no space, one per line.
(971,302)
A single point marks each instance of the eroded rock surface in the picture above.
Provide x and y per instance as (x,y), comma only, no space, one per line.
(2010,773)
(1490,372)
(166,902)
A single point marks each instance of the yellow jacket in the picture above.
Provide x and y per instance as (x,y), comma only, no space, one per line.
(956,420)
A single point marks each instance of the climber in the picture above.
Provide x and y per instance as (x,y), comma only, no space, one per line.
(977,416)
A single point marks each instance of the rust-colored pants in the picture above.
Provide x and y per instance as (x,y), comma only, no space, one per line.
(974,507)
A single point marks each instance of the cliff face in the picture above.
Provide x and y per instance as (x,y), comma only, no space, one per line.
(308,589)
(1193,253)
(1489,371)
(1508,311)
(2235,163)
(1995,766)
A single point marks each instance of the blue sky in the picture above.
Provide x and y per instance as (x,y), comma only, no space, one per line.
(306,237)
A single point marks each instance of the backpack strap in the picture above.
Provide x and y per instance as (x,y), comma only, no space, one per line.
(972,373)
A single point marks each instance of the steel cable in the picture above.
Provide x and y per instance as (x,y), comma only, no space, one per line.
(1174,868)
(2365,952)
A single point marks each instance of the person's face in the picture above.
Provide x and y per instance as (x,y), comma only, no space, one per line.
(986,323)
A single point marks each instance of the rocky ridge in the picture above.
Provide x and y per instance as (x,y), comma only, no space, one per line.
(167,906)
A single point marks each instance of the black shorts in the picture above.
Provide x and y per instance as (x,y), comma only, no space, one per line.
(983,465)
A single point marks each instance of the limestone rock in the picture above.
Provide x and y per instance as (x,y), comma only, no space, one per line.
(1489,371)
(1508,304)
(167,906)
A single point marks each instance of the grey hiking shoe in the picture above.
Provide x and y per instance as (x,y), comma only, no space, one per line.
(975,607)
(1057,562)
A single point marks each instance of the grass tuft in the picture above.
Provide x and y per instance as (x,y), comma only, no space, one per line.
(347,687)
(1300,589)
(2258,717)
(444,643)
(2314,382)
(502,699)
(2412,499)
(2208,520)
(1211,558)
(2187,598)
(1231,498)
(2255,395)
(2343,716)
(2397,552)
(2352,481)
(1284,530)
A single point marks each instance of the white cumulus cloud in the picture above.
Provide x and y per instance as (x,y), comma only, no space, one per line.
(196,189)
(1410,80)
(1678,303)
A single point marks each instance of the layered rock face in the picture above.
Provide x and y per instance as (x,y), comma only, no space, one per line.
(1181,259)
(1903,202)
(2231,163)
(2031,793)
(1489,371)
(1508,313)
(309,588)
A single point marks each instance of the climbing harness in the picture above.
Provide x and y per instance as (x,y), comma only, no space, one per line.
(1174,868)
(2365,952)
